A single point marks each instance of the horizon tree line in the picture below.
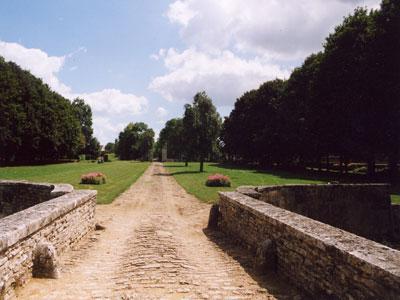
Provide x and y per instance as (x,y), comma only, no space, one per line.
(38,124)
(342,101)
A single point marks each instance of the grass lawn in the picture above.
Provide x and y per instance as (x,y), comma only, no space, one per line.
(120,175)
(396,199)
(194,182)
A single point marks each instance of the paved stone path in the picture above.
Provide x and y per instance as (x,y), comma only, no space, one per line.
(154,247)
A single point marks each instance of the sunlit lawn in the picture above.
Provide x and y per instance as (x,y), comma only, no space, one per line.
(194,182)
(120,175)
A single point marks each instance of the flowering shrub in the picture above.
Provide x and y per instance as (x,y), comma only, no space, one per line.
(218,180)
(93,178)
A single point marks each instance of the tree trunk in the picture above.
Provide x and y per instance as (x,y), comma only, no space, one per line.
(202,165)
(186,163)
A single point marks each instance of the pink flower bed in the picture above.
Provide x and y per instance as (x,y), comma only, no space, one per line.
(93,178)
(218,180)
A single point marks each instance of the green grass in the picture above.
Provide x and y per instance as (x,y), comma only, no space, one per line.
(396,199)
(194,182)
(120,175)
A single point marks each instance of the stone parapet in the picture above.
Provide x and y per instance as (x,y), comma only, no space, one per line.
(363,209)
(324,261)
(19,195)
(59,222)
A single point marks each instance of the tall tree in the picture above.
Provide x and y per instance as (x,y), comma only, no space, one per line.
(135,142)
(172,136)
(385,59)
(189,134)
(83,113)
(35,122)
(93,148)
(110,147)
(203,125)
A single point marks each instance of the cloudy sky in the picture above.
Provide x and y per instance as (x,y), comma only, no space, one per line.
(141,60)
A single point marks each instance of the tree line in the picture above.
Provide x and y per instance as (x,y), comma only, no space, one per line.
(38,124)
(342,102)
(135,142)
(195,135)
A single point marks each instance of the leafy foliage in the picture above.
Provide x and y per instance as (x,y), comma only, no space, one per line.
(135,142)
(202,125)
(172,136)
(83,113)
(35,122)
(343,101)
(110,147)
(93,178)
(218,180)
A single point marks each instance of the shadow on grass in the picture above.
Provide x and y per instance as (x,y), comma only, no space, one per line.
(326,176)
(270,281)
(177,173)
(308,174)
(175,166)
(185,172)
(162,174)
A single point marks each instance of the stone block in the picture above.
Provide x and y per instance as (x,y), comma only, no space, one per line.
(213,217)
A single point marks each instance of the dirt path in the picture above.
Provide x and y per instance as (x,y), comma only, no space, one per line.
(154,247)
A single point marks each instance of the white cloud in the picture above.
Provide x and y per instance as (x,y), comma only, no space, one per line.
(287,29)
(114,102)
(38,62)
(161,112)
(180,12)
(112,111)
(110,107)
(233,46)
(107,129)
(223,75)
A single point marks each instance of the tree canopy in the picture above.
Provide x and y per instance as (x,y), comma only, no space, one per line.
(195,136)
(343,101)
(83,113)
(172,136)
(35,122)
(135,142)
(201,128)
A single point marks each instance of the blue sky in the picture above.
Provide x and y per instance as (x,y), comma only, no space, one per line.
(142,60)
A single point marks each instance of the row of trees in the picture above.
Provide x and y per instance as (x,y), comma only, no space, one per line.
(37,124)
(135,142)
(195,135)
(343,101)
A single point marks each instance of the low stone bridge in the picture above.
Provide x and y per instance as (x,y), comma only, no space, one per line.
(262,243)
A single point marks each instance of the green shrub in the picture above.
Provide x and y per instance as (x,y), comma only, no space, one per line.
(218,180)
(93,178)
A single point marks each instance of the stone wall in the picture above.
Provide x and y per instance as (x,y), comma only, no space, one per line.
(363,209)
(59,222)
(396,220)
(324,261)
(19,195)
